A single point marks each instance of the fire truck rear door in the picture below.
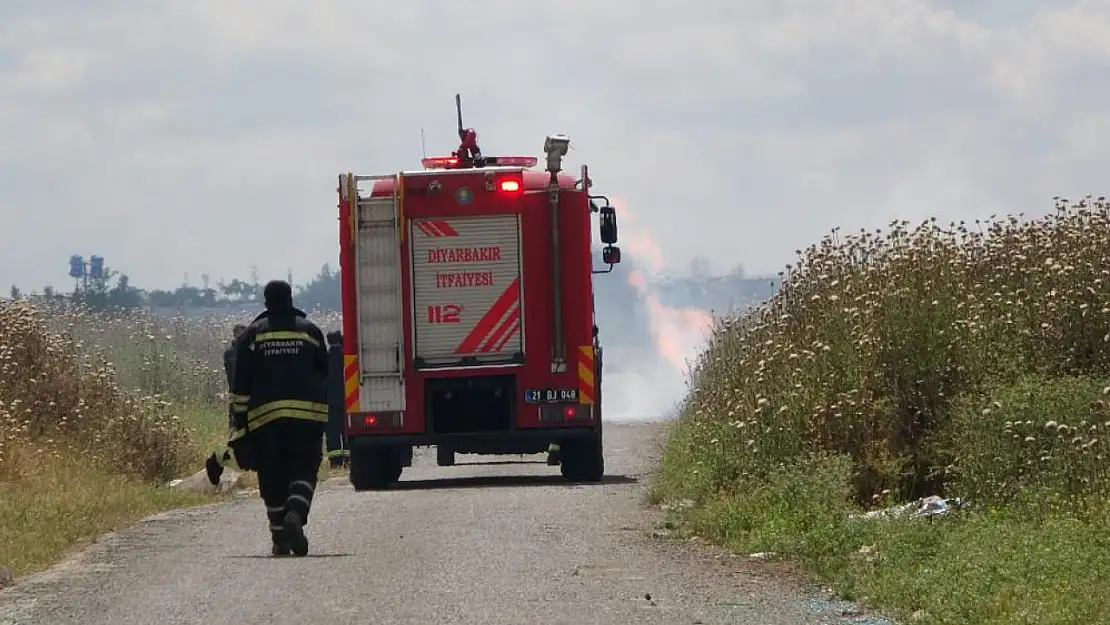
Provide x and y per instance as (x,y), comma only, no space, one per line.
(467,290)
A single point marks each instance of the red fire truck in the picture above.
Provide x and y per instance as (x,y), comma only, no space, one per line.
(468,318)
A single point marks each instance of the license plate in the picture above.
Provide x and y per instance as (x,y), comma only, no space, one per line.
(551,396)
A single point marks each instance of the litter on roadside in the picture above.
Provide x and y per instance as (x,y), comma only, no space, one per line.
(925,507)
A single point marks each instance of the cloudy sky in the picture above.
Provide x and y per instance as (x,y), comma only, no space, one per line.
(196,136)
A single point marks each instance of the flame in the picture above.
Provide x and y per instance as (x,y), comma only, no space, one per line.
(677,331)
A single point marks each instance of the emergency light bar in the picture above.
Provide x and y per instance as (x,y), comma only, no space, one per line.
(439,162)
(512,161)
(451,162)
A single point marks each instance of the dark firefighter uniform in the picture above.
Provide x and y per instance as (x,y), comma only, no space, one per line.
(279,401)
(214,464)
(338,454)
(229,367)
(229,363)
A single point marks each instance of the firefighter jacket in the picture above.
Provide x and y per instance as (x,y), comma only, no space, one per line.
(281,366)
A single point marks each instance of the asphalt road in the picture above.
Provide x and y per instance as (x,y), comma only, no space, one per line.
(479,543)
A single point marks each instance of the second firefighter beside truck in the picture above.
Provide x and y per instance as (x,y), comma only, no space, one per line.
(280,409)
(229,363)
(338,454)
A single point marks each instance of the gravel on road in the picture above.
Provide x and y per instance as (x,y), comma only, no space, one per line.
(490,541)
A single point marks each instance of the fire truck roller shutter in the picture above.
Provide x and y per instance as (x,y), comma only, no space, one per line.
(467,289)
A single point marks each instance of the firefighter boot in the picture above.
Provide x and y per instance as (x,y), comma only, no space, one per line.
(278,535)
(294,533)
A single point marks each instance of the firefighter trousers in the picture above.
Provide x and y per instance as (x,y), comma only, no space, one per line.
(288,456)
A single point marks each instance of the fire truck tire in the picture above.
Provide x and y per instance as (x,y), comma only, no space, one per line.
(445,456)
(373,470)
(582,460)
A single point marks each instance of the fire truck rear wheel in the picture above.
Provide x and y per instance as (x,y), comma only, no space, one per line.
(445,456)
(373,469)
(582,460)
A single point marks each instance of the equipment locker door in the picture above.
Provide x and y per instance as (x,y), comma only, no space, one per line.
(380,329)
(467,290)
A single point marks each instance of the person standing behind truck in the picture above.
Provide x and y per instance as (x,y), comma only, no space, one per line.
(229,363)
(214,464)
(279,399)
(338,454)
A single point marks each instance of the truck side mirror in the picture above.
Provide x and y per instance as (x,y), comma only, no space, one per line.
(611,255)
(608,216)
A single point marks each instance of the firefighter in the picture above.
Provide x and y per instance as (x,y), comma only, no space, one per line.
(279,400)
(338,454)
(214,464)
(229,362)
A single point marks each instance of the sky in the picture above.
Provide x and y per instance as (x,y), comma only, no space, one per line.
(181,138)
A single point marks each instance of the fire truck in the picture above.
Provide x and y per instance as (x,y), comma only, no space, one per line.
(468,316)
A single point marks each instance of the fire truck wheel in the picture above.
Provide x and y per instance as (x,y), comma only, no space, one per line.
(445,456)
(582,460)
(372,470)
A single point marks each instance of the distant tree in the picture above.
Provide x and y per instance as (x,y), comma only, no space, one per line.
(323,291)
(238,291)
(123,295)
(116,291)
(16,293)
(161,298)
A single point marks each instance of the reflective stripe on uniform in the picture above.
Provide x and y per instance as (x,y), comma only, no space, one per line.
(287,408)
(239,403)
(284,335)
(339,453)
(236,434)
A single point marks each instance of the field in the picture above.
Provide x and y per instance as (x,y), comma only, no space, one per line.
(97,412)
(967,361)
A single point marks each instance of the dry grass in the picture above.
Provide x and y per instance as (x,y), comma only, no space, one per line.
(968,360)
(97,413)
(52,503)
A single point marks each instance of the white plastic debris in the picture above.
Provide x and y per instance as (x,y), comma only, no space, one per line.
(198,483)
(925,507)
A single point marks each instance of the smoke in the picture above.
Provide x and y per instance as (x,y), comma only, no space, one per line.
(648,343)
(677,332)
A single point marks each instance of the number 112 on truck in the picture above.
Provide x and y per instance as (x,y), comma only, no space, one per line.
(468,311)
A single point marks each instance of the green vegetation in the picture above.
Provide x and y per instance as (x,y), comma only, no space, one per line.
(98,411)
(968,361)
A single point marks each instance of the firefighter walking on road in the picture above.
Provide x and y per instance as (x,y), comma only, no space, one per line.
(279,402)
(338,454)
